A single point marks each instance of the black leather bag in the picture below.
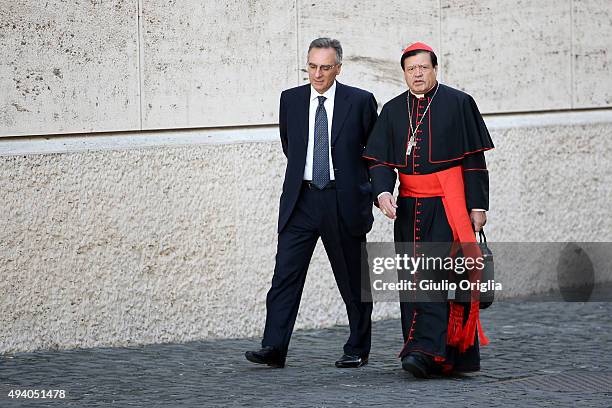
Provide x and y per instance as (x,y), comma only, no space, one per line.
(488,272)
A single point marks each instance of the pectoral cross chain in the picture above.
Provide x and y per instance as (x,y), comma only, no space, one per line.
(413,131)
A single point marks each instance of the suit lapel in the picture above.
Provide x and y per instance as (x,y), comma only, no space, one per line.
(342,106)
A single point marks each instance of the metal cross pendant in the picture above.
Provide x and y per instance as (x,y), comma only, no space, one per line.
(411,144)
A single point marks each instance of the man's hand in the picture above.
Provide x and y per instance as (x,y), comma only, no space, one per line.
(387,205)
(479,219)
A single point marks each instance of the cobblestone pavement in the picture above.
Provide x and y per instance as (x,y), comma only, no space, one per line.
(541,354)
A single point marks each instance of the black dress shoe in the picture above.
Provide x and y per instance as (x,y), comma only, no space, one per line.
(267,355)
(419,364)
(351,361)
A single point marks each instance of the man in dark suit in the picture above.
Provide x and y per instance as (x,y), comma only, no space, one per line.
(324,127)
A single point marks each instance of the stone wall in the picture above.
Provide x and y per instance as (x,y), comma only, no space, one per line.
(112,245)
(150,232)
(112,65)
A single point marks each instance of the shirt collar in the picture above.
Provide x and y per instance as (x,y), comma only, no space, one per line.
(329,94)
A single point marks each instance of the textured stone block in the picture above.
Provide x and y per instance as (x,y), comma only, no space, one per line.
(145,246)
(120,247)
(68,67)
(510,55)
(373,35)
(212,63)
(550,184)
(592,25)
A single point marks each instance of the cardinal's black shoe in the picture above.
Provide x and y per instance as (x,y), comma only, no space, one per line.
(351,361)
(267,355)
(419,364)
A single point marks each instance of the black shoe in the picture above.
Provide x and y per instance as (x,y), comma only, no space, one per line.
(419,364)
(351,361)
(267,355)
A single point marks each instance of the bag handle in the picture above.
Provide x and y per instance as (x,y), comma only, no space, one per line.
(481,236)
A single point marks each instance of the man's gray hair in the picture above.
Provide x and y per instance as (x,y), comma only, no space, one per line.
(326,42)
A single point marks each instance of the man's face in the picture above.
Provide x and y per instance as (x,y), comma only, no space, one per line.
(419,73)
(322,68)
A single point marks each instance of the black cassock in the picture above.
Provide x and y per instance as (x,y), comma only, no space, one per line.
(452,133)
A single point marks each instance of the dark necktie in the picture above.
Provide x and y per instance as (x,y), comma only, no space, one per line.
(320,157)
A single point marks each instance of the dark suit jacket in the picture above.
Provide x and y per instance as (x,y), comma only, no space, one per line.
(353,119)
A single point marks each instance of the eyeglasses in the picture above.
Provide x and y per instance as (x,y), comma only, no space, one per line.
(412,69)
(324,68)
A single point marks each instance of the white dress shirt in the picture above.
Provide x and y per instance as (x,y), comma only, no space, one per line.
(329,108)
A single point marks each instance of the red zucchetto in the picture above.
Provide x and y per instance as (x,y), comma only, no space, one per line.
(417,46)
(413,47)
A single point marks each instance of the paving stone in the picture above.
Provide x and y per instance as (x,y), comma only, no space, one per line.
(528,339)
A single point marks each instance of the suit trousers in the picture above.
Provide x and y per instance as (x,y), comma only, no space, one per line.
(316,215)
